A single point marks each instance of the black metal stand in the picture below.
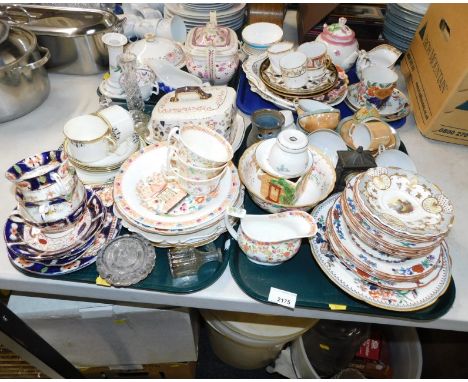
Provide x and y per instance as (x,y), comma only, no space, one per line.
(21,339)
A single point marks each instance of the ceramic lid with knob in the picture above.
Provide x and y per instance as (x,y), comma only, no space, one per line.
(212,36)
(338,33)
(293,141)
(157,48)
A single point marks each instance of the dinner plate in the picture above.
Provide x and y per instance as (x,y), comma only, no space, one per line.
(351,283)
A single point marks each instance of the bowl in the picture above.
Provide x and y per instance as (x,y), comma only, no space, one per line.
(261,35)
(311,122)
(320,182)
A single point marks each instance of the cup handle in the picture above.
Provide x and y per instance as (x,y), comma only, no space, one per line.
(229,227)
(351,129)
(172,134)
(156,86)
(381,148)
(112,143)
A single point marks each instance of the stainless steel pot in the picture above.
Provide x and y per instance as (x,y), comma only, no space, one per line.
(24,82)
(73,35)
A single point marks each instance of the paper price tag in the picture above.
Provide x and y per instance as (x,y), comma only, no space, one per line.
(101,281)
(282,297)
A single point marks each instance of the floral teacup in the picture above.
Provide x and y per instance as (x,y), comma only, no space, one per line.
(377,84)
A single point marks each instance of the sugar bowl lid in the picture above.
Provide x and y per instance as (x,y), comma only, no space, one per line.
(291,140)
(338,32)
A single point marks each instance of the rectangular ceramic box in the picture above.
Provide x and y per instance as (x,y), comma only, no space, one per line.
(436,72)
(95,334)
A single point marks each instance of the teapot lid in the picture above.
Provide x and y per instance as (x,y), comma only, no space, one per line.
(338,32)
(211,36)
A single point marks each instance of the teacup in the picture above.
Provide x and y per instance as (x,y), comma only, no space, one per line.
(56,190)
(316,53)
(294,70)
(194,187)
(276,52)
(370,137)
(314,115)
(190,171)
(200,146)
(43,213)
(378,84)
(289,156)
(38,172)
(172,28)
(120,121)
(90,138)
(394,158)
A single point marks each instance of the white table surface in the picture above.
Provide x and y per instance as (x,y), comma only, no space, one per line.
(71,96)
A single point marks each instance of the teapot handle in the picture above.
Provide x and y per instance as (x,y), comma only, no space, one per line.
(190,89)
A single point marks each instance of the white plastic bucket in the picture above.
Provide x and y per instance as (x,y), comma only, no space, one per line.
(251,341)
(404,347)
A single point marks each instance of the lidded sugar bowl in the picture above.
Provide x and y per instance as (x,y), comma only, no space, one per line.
(342,46)
(212,52)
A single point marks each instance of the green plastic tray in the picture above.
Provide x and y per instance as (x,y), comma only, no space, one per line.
(303,276)
(160,278)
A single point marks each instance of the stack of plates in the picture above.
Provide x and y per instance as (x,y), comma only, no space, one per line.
(193,221)
(198,14)
(401,22)
(104,171)
(382,239)
(269,86)
(33,251)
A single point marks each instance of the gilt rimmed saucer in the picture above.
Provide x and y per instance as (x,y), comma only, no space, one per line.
(27,242)
(352,284)
(396,107)
(109,231)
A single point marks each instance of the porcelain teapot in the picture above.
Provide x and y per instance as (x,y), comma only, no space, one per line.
(271,239)
(341,42)
(382,55)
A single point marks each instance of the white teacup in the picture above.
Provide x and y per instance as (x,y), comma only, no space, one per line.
(120,121)
(193,186)
(316,53)
(90,138)
(394,158)
(201,146)
(277,51)
(294,70)
(191,171)
(172,28)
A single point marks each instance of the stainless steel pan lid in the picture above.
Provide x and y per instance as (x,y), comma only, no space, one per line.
(4,30)
(60,21)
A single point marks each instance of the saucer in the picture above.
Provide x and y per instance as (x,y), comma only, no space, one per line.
(396,106)
(22,241)
(329,142)
(107,92)
(111,162)
(261,156)
(109,231)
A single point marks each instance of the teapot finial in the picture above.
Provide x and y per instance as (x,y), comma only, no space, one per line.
(342,21)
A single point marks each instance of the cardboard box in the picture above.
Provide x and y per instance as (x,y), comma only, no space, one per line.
(94,334)
(436,72)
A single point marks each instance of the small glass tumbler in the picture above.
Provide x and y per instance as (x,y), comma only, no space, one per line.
(186,261)
(129,82)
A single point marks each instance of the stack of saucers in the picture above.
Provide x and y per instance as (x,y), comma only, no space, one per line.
(58,225)
(198,14)
(195,220)
(401,22)
(382,239)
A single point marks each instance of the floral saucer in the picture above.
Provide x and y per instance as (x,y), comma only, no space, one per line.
(109,231)
(356,286)
(396,107)
(26,241)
